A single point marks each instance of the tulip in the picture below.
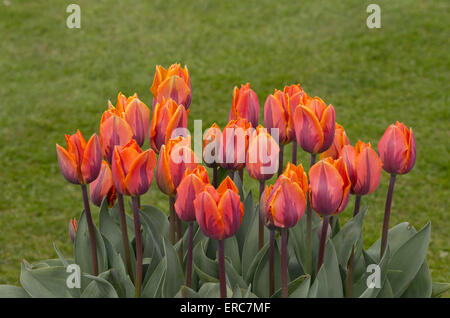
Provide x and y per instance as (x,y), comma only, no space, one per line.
(245,105)
(277,114)
(167,117)
(73,229)
(172,83)
(314,125)
(211,149)
(328,193)
(114,131)
(81,162)
(103,187)
(234,144)
(339,141)
(219,215)
(132,169)
(397,149)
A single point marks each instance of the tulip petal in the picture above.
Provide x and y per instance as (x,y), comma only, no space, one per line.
(92,159)
(393,150)
(140,175)
(100,187)
(138,117)
(163,176)
(328,124)
(176,88)
(114,131)
(368,167)
(308,130)
(118,173)
(288,204)
(208,217)
(67,165)
(231,209)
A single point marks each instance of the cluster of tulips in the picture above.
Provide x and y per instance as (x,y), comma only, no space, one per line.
(114,165)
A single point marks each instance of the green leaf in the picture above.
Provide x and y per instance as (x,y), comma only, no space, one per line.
(174,277)
(46,282)
(231,251)
(298,288)
(212,290)
(8,291)
(115,214)
(254,265)
(206,268)
(250,248)
(407,260)
(221,174)
(99,287)
(319,288)
(153,286)
(83,248)
(247,219)
(158,219)
(61,257)
(332,270)
(421,286)
(361,288)
(186,292)
(439,289)
(232,276)
(238,182)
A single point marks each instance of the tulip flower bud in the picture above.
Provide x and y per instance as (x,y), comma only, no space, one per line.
(114,131)
(329,186)
(211,146)
(73,229)
(363,166)
(262,155)
(175,157)
(173,83)
(103,187)
(192,184)
(314,125)
(234,144)
(340,140)
(283,204)
(277,114)
(219,212)
(132,169)
(167,117)
(297,96)
(245,105)
(81,162)
(397,149)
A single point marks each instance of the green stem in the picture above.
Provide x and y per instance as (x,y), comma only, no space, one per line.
(172,219)
(294,152)
(309,226)
(352,255)
(387,215)
(222,277)
(90,224)
(323,240)
(189,254)
(261,224)
(124,231)
(284,283)
(281,160)
(272,263)
(138,237)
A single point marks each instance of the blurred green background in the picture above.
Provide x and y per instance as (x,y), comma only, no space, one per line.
(54,80)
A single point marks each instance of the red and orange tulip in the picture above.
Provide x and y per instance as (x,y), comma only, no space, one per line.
(192,184)
(278,114)
(245,105)
(329,186)
(297,96)
(363,166)
(234,144)
(219,212)
(132,169)
(73,229)
(103,187)
(283,204)
(175,157)
(340,140)
(397,149)
(114,131)
(211,145)
(81,162)
(172,83)
(262,155)
(314,125)
(167,117)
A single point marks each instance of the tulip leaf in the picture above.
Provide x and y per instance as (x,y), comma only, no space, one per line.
(99,287)
(115,214)
(61,257)
(158,219)
(360,288)
(9,291)
(174,277)
(254,265)
(250,248)
(152,288)
(319,288)
(221,174)
(439,288)
(206,268)
(152,244)
(238,182)
(298,288)
(247,219)
(186,292)
(83,248)
(332,270)
(212,290)
(231,251)
(421,286)
(232,276)
(407,260)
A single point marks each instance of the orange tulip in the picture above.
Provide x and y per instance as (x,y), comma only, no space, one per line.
(363,166)
(245,105)
(81,162)
(262,155)
(329,186)
(211,145)
(397,149)
(73,229)
(314,125)
(114,131)
(277,114)
(234,144)
(219,212)
(175,157)
(192,184)
(297,96)
(172,83)
(340,140)
(132,169)
(167,117)
(103,187)
(283,204)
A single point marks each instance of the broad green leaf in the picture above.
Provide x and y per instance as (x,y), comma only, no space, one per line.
(332,270)
(298,288)
(61,257)
(8,291)
(231,251)
(232,276)
(206,268)
(99,287)
(254,265)
(174,277)
(186,292)
(158,218)
(261,277)
(153,286)
(361,289)
(439,288)
(421,286)
(212,290)
(247,219)
(319,288)
(250,248)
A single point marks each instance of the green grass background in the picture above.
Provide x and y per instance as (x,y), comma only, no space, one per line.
(54,80)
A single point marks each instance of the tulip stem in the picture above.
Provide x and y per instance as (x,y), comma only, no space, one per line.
(387,215)
(323,240)
(261,224)
(90,224)
(180,238)
(215,176)
(172,219)
(123,228)
(284,283)
(281,160)
(294,152)
(222,279)
(352,255)
(189,254)
(137,233)
(272,263)
(309,226)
